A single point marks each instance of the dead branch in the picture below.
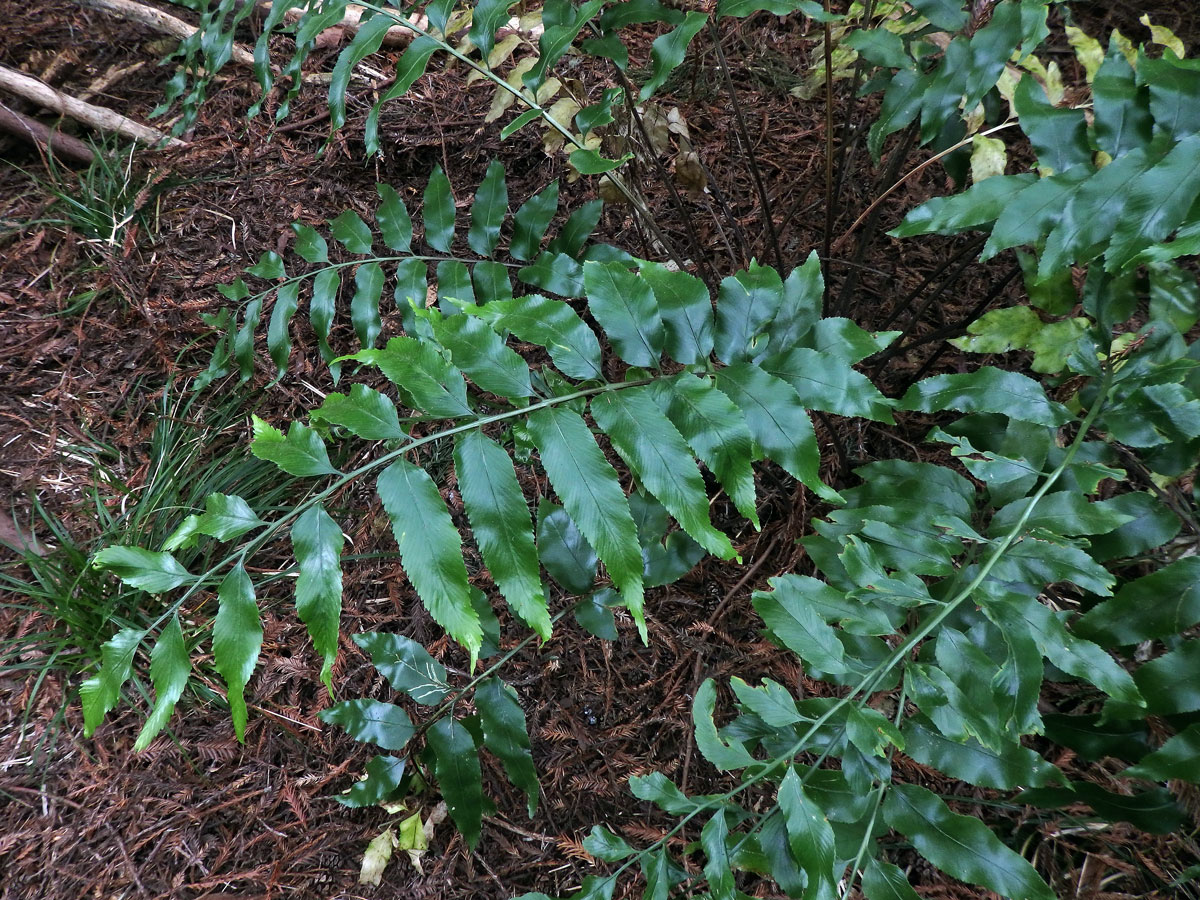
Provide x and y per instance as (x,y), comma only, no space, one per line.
(96,117)
(160,21)
(55,142)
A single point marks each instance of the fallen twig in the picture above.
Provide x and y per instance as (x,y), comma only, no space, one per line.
(160,21)
(52,141)
(95,116)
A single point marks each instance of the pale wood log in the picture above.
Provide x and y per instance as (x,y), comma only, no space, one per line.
(161,21)
(97,117)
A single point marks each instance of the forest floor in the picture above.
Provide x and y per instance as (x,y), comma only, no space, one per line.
(94,334)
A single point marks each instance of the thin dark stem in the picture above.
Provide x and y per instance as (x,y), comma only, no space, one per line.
(744,134)
(872,222)
(960,260)
(738,232)
(664,176)
(958,328)
(830,200)
(968,251)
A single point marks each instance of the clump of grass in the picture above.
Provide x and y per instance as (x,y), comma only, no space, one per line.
(64,609)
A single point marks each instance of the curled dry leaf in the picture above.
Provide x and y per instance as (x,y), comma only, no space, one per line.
(689,174)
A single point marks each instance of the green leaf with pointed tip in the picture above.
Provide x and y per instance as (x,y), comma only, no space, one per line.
(592,495)
(976,207)
(798,626)
(310,246)
(236,641)
(456,765)
(506,735)
(519,122)
(146,570)
(500,520)
(279,342)
(1070,653)
(656,788)
(364,306)
(594,614)
(488,16)
(1033,212)
(1058,134)
(1123,120)
(438,211)
(368,38)
(772,702)
(625,307)
(269,267)
(846,340)
(1090,217)
(431,551)
(554,272)
(317,542)
(1174,84)
(746,305)
(565,553)
(885,881)
(321,310)
(803,294)
(1171,683)
(657,454)
(411,66)
(407,666)
(490,281)
(578,228)
(1154,811)
(1176,760)
(372,722)
(961,846)
(1157,202)
(742,8)
(99,693)
(395,224)
(491,200)
(686,312)
(482,354)
(1063,512)
(779,423)
(589,162)
(432,384)
(823,381)
(726,755)
(365,413)
(810,837)
(668,50)
(714,839)
(716,431)
(170,665)
(1158,605)
(551,324)
(603,844)
(351,232)
(1005,769)
(302,453)
(987,390)
(383,777)
(243,341)
(454,287)
(531,221)
(558,37)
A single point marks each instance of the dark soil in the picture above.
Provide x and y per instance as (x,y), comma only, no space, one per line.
(91,333)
